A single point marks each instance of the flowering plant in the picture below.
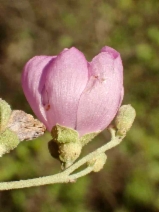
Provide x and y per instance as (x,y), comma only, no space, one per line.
(76,100)
(69,91)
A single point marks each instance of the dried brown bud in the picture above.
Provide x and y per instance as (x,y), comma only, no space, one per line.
(25,126)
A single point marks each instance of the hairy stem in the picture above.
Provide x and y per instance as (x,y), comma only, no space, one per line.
(81,173)
(114,142)
(64,177)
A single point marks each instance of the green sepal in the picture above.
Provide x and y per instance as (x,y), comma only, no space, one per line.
(5,112)
(62,134)
(88,137)
(8,141)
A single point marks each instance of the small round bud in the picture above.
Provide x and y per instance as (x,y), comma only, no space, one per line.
(124,119)
(98,162)
(5,112)
(8,141)
(69,152)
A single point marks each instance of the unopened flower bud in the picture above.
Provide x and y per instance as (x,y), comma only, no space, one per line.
(5,112)
(67,90)
(8,141)
(124,119)
(69,152)
(98,162)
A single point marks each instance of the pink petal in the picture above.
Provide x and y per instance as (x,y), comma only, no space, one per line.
(121,96)
(101,98)
(66,79)
(33,79)
(111,51)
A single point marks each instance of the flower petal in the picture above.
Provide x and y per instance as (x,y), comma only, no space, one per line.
(33,79)
(66,79)
(101,98)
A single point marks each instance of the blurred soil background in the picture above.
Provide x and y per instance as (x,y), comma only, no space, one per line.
(129,181)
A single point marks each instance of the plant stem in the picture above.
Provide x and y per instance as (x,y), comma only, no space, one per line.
(57,178)
(114,142)
(81,173)
(64,177)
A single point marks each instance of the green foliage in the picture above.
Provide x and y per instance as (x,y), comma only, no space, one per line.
(5,112)
(130,179)
(8,141)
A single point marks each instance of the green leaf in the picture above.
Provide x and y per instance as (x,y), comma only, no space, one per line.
(8,141)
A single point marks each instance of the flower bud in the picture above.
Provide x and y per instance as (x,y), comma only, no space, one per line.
(124,119)
(8,141)
(70,91)
(69,152)
(5,112)
(65,145)
(98,162)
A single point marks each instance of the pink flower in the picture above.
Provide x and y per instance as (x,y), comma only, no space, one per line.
(67,90)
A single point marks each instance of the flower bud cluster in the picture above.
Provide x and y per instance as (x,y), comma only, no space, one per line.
(66,144)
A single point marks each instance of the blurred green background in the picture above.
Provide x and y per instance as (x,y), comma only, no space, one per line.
(129,181)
